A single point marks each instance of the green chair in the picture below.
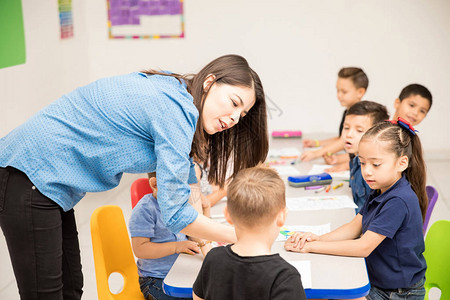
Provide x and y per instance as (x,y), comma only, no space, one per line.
(437,255)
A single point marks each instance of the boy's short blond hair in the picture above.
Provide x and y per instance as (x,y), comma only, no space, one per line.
(256,196)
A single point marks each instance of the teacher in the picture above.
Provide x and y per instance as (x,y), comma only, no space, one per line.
(137,123)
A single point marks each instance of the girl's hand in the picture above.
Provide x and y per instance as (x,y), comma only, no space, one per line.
(188,247)
(330,158)
(291,247)
(299,239)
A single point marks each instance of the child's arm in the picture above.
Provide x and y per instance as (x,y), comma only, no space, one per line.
(314,143)
(335,159)
(361,247)
(328,142)
(196,193)
(334,145)
(206,206)
(338,167)
(342,241)
(144,248)
(195,297)
(217,195)
(348,231)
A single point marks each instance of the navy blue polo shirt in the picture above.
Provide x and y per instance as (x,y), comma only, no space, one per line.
(360,189)
(398,261)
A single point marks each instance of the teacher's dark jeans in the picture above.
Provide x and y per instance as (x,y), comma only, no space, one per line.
(42,240)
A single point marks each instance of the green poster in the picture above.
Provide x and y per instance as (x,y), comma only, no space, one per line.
(12,36)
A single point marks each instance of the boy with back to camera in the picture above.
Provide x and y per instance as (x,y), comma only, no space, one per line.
(256,206)
(359,118)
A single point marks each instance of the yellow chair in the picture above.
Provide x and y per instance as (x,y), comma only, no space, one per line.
(112,254)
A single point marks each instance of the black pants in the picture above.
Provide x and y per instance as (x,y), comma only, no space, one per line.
(42,240)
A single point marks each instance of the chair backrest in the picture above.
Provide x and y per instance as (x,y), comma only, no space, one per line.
(432,198)
(112,253)
(437,255)
(139,188)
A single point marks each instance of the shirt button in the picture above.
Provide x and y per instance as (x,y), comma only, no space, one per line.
(33,187)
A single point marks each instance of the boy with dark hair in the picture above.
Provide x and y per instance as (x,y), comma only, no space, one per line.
(413,103)
(359,118)
(155,246)
(351,85)
(247,269)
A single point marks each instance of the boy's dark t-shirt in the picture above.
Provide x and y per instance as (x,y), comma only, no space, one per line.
(226,275)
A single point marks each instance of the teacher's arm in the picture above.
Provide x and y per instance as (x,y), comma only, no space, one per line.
(221,233)
(205,228)
(172,133)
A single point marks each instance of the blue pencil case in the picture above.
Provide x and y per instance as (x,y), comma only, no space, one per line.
(310,180)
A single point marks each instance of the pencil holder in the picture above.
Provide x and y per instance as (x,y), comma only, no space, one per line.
(309,180)
(287,134)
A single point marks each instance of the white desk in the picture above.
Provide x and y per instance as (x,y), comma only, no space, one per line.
(335,277)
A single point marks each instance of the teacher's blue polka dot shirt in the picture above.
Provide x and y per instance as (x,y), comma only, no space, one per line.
(86,140)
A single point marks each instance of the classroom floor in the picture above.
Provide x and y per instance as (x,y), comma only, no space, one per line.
(438,174)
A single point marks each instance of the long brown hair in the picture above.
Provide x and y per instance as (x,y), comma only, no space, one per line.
(247,142)
(402,142)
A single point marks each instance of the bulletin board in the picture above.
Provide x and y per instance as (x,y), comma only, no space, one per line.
(145,19)
(12,35)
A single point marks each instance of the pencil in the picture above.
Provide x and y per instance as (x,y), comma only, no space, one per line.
(328,188)
(338,186)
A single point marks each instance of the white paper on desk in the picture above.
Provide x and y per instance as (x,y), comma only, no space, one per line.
(304,268)
(286,170)
(318,169)
(316,229)
(286,152)
(320,202)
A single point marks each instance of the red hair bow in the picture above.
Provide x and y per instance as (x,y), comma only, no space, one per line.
(404,124)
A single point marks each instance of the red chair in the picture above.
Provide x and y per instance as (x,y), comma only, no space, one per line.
(139,188)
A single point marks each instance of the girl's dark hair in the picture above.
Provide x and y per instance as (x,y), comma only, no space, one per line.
(356,75)
(247,142)
(402,142)
(376,111)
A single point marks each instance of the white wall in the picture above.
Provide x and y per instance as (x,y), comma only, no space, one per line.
(52,67)
(296,46)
